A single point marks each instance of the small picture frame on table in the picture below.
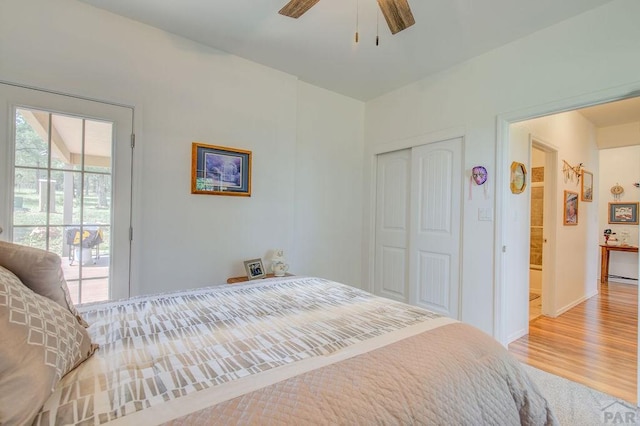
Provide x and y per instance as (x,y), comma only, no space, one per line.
(255,269)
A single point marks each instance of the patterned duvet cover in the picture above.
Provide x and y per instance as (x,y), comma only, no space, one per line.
(288,351)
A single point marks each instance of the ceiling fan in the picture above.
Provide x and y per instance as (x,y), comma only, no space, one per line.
(397,13)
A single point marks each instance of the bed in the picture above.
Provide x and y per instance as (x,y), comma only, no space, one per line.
(295,350)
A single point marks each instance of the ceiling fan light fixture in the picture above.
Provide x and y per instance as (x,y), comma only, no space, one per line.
(397,13)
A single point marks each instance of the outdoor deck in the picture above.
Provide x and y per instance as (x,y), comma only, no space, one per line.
(95,281)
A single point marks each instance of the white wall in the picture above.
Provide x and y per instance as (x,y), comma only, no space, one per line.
(328,195)
(620,165)
(184,92)
(593,52)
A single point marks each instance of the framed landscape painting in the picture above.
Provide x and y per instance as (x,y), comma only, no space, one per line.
(623,213)
(218,170)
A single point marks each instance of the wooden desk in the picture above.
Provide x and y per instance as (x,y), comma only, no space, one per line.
(604,265)
(235,280)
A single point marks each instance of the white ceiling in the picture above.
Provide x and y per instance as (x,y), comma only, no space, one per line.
(320,49)
(613,113)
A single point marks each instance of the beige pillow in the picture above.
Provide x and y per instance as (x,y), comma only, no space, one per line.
(41,342)
(41,271)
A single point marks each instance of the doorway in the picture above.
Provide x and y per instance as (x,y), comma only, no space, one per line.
(578,261)
(68,186)
(536,233)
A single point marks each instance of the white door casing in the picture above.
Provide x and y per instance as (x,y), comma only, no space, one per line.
(435,238)
(12,97)
(517,222)
(392,225)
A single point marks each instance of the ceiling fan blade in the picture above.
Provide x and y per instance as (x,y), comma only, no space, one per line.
(397,13)
(295,8)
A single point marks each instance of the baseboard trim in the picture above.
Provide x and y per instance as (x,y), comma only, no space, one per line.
(575,303)
(518,334)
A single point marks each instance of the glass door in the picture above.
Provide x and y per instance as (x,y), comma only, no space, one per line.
(66,193)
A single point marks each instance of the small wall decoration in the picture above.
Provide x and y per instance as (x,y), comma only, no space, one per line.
(570,208)
(254,269)
(518,177)
(570,172)
(623,213)
(217,170)
(617,191)
(586,192)
(479,176)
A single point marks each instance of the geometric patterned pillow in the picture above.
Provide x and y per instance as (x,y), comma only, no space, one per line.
(39,270)
(40,342)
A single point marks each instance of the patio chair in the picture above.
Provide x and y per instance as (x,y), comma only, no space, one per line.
(91,239)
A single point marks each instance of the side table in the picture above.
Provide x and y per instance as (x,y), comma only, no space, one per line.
(244,278)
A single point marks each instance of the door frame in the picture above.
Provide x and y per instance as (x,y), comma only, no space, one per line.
(502,178)
(134,179)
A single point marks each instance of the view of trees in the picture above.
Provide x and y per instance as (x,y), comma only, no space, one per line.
(31,168)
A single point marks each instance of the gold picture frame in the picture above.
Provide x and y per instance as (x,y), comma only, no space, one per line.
(623,213)
(570,216)
(219,170)
(586,191)
(518,177)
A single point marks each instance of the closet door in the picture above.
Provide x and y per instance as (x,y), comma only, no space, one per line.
(392,225)
(436,203)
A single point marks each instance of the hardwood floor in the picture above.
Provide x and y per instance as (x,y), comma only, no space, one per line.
(594,343)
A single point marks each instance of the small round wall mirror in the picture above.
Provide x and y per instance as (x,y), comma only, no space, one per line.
(518,177)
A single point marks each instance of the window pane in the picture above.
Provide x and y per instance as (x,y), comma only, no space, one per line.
(66,142)
(32,146)
(97,199)
(98,146)
(32,236)
(30,197)
(63,195)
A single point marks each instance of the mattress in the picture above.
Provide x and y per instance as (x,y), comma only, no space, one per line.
(296,350)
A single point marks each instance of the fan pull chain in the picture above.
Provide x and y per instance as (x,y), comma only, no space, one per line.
(377,26)
(357,16)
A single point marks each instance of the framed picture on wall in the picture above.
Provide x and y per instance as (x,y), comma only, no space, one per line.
(217,170)
(570,208)
(586,193)
(623,213)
